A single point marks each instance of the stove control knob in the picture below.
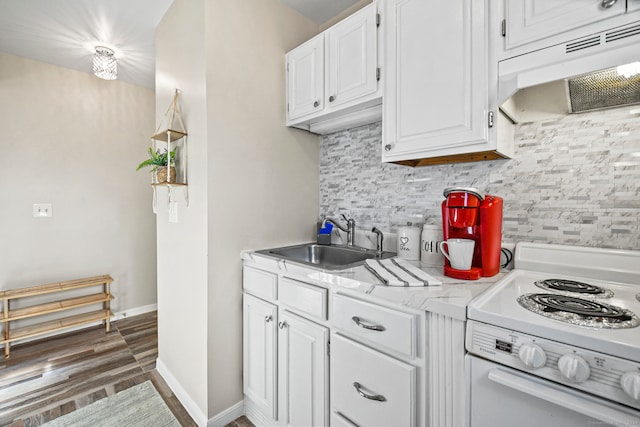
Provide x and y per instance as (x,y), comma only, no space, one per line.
(532,355)
(630,383)
(574,368)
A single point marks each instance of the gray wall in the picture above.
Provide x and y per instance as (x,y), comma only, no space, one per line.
(574,180)
(247,174)
(73,140)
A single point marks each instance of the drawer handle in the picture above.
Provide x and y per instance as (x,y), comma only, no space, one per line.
(378,397)
(378,328)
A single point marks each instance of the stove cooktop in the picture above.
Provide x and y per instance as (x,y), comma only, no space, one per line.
(604,310)
(573,287)
(579,311)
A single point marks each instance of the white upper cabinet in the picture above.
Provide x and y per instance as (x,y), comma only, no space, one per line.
(533,25)
(532,20)
(305,78)
(436,96)
(351,59)
(332,80)
(549,40)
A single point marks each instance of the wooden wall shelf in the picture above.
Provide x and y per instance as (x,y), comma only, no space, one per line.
(59,303)
(169,135)
(172,133)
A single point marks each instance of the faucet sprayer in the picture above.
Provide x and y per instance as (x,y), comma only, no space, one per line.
(379,239)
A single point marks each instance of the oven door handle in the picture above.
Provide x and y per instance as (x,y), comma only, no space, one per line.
(558,397)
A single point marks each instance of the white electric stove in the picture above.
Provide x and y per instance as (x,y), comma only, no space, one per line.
(557,340)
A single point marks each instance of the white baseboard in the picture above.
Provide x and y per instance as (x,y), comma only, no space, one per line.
(119,315)
(226,416)
(196,413)
(255,415)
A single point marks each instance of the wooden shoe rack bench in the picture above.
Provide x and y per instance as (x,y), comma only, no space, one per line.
(57,299)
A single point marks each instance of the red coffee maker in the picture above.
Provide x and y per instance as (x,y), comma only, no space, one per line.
(466,214)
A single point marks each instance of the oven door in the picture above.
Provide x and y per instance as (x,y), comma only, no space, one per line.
(499,397)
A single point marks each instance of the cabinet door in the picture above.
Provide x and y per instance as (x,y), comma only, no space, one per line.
(302,372)
(532,20)
(259,353)
(436,73)
(351,58)
(305,79)
(633,5)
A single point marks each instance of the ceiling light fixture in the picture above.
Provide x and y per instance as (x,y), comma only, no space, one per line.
(104,63)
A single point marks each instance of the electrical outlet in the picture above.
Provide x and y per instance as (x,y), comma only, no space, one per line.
(507,254)
(42,210)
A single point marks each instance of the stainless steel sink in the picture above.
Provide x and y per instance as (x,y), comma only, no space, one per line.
(333,257)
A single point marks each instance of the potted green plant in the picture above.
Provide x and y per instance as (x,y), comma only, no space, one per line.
(158,162)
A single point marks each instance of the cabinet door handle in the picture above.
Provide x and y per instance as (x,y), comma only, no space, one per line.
(316,104)
(358,322)
(606,4)
(378,397)
(268,318)
(388,147)
(282,325)
(333,98)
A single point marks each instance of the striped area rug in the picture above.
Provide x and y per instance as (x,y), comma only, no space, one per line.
(138,406)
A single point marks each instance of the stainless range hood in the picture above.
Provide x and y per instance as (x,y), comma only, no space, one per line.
(603,89)
(581,75)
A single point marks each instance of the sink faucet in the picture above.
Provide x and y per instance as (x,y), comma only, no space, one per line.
(379,238)
(350,229)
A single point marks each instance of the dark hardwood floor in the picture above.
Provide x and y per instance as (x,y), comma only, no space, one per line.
(45,379)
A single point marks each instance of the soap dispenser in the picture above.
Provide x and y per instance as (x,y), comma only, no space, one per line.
(324,233)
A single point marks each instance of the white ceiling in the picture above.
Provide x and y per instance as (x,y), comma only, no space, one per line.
(65,32)
(319,11)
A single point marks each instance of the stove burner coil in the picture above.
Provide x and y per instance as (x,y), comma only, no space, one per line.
(579,311)
(571,286)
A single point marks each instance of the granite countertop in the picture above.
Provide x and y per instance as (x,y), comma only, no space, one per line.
(450,299)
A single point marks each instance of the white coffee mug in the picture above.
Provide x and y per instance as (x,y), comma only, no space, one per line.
(459,252)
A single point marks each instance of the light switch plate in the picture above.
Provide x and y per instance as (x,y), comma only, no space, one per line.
(42,210)
(173,211)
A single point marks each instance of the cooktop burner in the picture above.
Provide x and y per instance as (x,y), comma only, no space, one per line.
(579,311)
(571,286)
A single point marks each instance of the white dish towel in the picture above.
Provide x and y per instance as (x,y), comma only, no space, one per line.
(399,272)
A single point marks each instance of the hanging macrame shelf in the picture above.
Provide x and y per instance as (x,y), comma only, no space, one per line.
(171,133)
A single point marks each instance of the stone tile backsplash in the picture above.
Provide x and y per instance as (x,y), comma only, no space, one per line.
(574,180)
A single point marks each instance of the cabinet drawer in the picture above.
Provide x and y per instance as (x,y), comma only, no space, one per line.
(339,420)
(391,329)
(259,282)
(369,388)
(303,297)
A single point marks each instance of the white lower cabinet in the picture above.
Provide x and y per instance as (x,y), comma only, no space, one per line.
(318,356)
(285,354)
(369,388)
(259,353)
(303,368)
(377,365)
